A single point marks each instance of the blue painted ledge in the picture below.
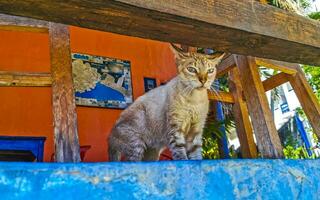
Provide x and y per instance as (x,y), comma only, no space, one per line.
(223,179)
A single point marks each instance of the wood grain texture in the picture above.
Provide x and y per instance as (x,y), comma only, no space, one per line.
(276,65)
(307,99)
(225,97)
(226,65)
(236,26)
(64,108)
(24,79)
(14,23)
(262,121)
(275,81)
(241,117)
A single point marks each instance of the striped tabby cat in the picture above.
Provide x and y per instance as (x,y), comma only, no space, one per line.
(172,115)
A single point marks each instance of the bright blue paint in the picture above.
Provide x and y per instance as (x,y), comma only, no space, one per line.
(33,144)
(102,93)
(303,134)
(220,117)
(218,179)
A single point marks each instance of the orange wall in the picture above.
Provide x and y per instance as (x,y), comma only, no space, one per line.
(27,111)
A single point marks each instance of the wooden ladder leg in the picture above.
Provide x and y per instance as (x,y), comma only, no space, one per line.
(241,117)
(262,121)
(63,101)
(307,99)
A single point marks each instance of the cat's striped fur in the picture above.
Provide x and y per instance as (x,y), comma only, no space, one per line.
(172,115)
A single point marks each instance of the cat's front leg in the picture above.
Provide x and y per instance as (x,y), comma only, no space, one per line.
(177,145)
(194,148)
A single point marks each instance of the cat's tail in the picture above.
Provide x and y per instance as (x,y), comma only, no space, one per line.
(114,154)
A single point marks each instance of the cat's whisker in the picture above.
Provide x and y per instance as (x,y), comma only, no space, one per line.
(185,90)
(216,92)
(215,84)
(188,90)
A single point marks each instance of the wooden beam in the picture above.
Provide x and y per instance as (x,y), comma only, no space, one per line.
(277,65)
(225,97)
(236,26)
(263,1)
(63,101)
(307,98)
(275,81)
(14,23)
(241,117)
(263,123)
(226,65)
(24,79)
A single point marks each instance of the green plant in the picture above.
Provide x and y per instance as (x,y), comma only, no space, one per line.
(210,148)
(297,153)
(313,76)
(293,153)
(291,4)
(212,133)
(314,15)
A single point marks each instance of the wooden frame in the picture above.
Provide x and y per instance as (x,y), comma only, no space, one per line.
(256,39)
(25,79)
(211,24)
(262,121)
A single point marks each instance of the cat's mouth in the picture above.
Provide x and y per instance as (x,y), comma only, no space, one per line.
(201,87)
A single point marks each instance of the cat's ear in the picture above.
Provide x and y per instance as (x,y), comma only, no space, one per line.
(178,53)
(218,56)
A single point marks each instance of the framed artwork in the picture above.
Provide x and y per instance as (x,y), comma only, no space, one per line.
(149,84)
(101,81)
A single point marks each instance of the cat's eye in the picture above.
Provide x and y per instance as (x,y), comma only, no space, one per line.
(210,70)
(192,70)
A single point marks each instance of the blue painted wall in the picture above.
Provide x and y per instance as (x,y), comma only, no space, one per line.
(225,179)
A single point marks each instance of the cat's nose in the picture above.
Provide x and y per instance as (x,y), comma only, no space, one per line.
(202,78)
(203,81)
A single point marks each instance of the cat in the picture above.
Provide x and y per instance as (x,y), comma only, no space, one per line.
(172,115)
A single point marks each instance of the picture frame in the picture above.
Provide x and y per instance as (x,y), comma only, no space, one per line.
(149,83)
(101,81)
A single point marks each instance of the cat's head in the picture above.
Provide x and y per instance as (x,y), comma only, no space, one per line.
(196,70)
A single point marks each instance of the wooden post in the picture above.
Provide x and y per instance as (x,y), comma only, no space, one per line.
(308,100)
(263,124)
(64,108)
(241,116)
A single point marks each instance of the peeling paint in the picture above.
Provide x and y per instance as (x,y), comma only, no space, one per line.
(218,179)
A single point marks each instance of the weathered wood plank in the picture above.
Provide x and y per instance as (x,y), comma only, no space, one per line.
(64,108)
(225,97)
(14,23)
(276,65)
(241,117)
(275,81)
(24,79)
(236,26)
(307,99)
(263,123)
(226,65)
